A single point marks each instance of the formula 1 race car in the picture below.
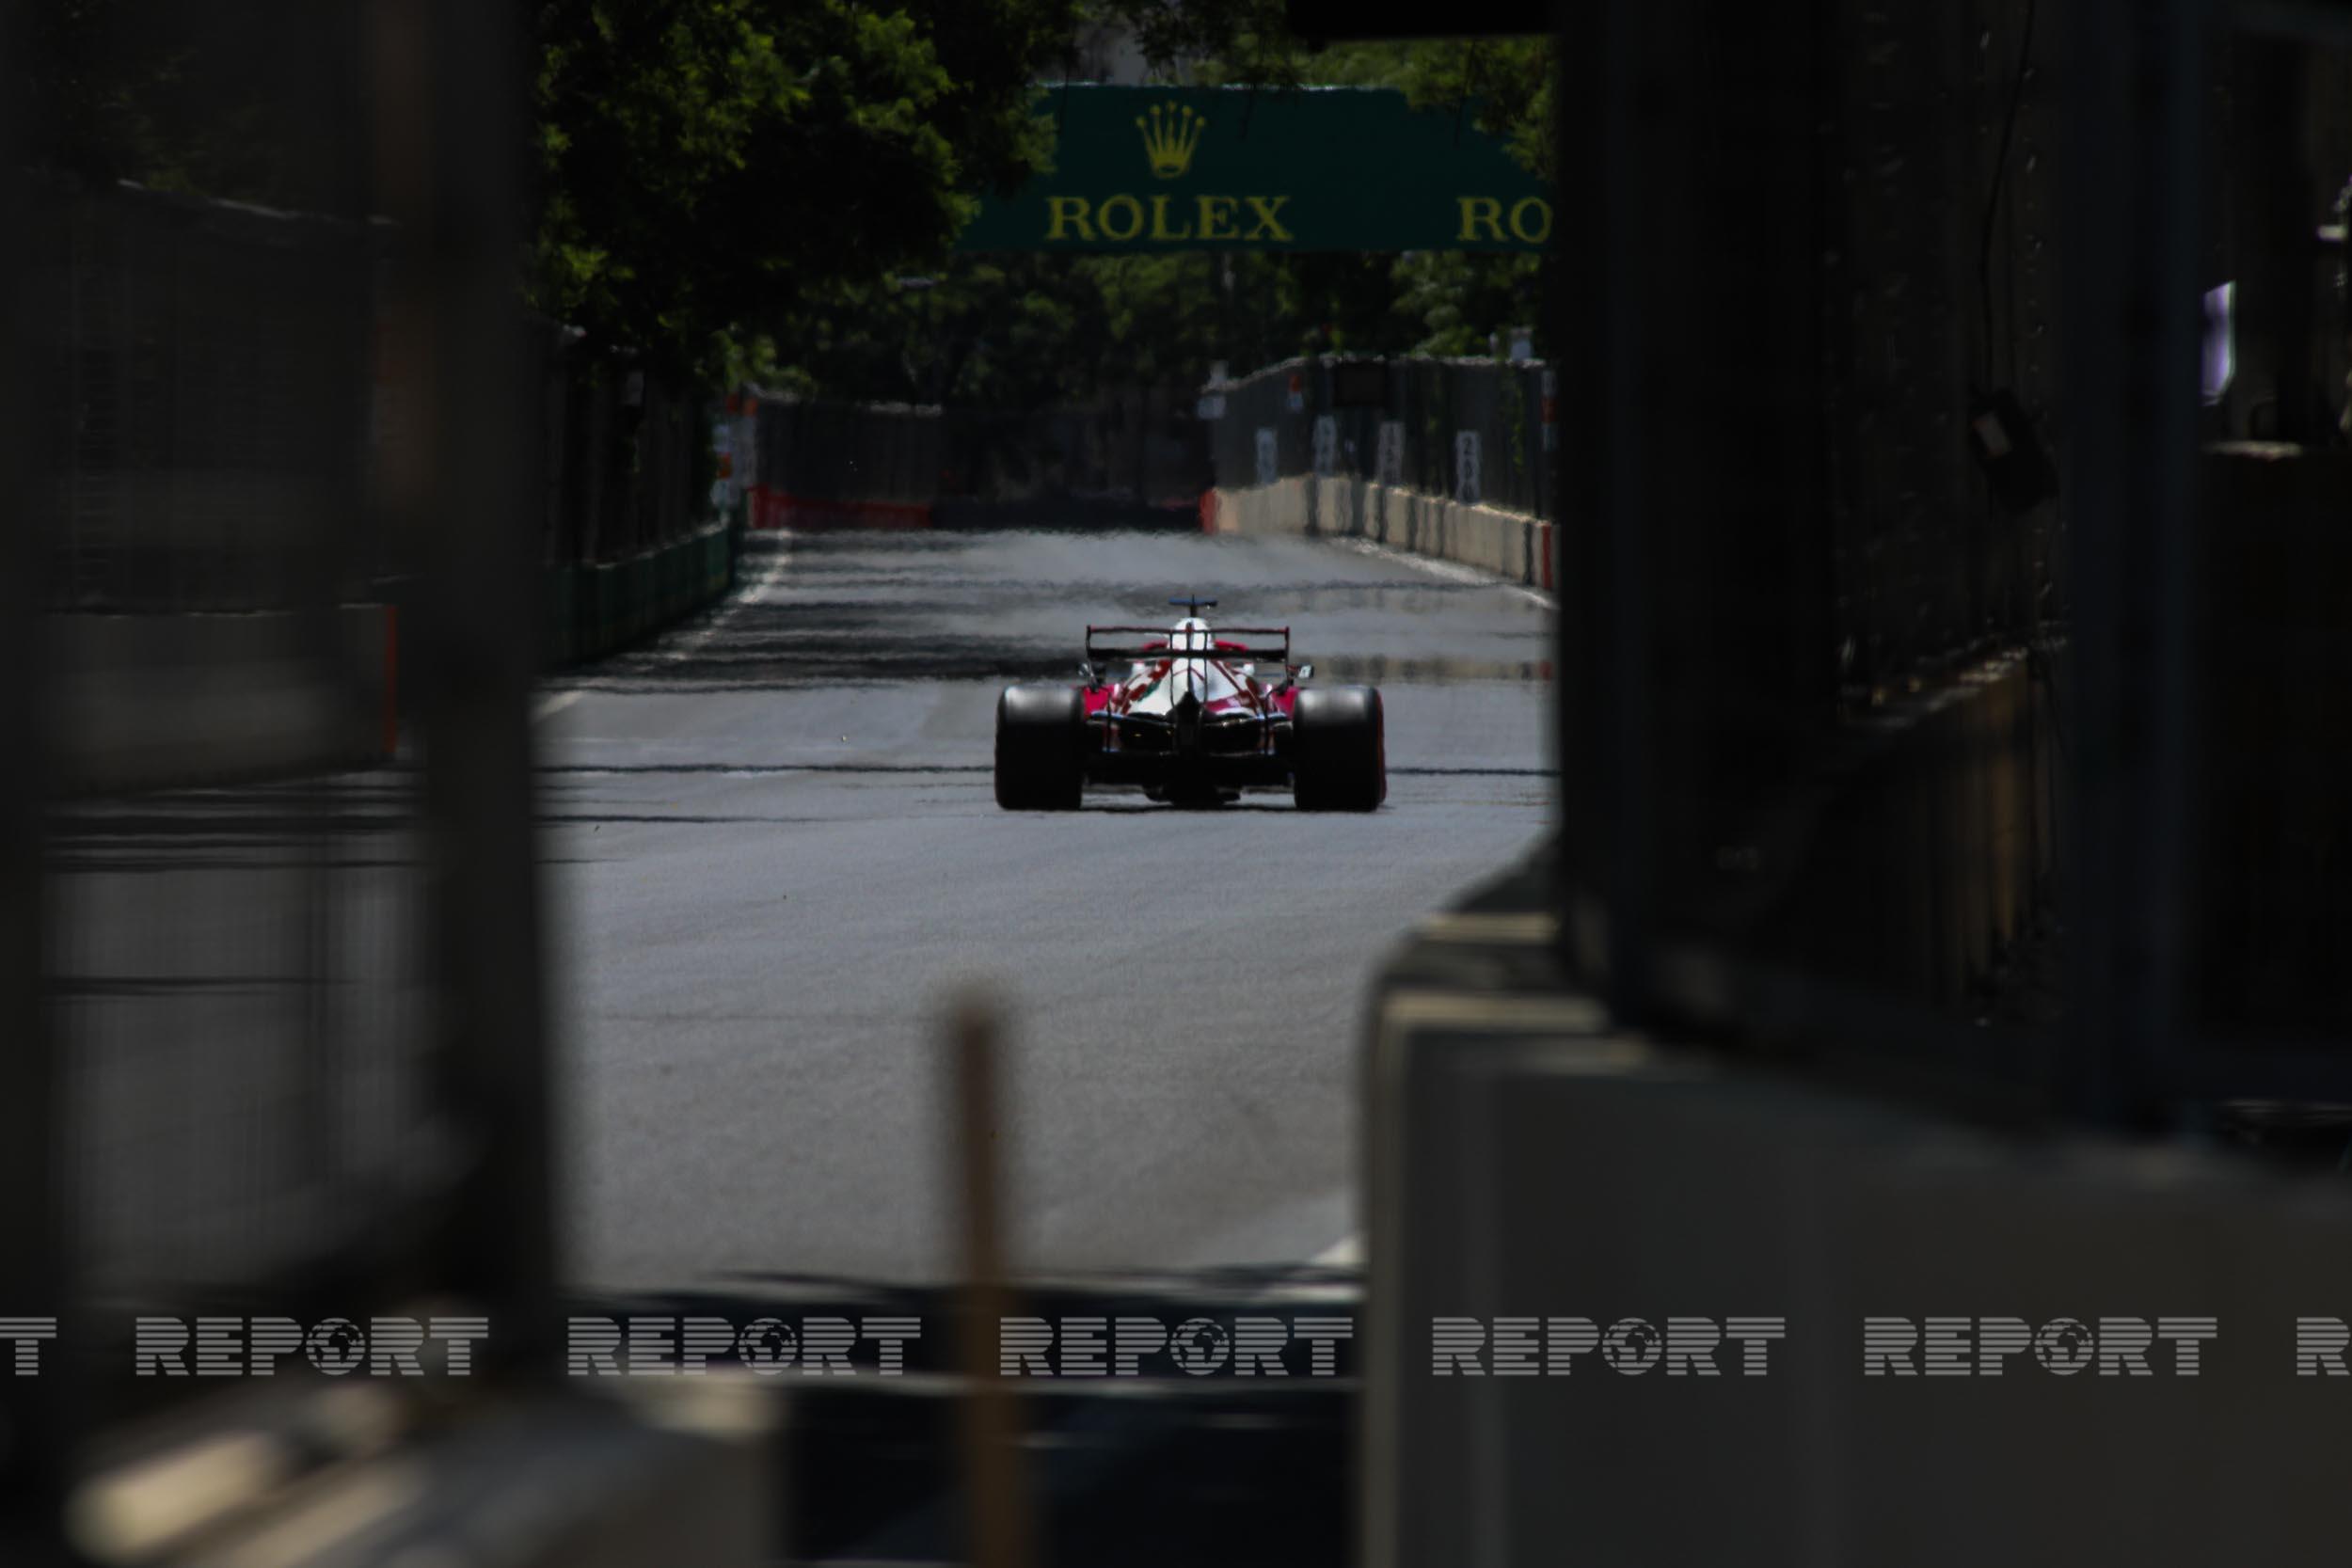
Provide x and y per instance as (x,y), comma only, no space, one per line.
(1192,722)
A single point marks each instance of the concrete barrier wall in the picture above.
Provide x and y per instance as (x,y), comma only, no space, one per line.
(1064,513)
(1341,506)
(772,508)
(1919,844)
(151,702)
(591,611)
(1528,1165)
(156,701)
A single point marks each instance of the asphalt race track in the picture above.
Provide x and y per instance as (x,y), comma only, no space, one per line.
(775,852)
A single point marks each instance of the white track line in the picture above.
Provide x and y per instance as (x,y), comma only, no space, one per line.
(1452,571)
(1345,1254)
(693,641)
(1348,1252)
(757,594)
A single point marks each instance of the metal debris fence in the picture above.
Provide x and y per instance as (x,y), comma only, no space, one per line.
(1474,430)
(217,373)
(873,464)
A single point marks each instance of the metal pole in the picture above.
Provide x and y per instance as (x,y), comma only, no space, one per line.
(38,1435)
(1603,688)
(451,81)
(997,1495)
(2130,309)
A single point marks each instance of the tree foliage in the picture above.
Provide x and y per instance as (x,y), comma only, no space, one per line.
(1027,331)
(704,160)
(731,185)
(1245,42)
(245,100)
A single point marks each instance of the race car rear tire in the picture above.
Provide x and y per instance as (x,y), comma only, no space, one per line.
(1339,749)
(1040,766)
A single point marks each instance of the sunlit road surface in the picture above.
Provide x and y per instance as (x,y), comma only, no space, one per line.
(775,852)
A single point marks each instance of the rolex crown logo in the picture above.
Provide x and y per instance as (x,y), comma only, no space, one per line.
(1170,131)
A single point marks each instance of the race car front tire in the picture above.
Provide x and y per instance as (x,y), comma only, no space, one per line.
(1339,749)
(1038,733)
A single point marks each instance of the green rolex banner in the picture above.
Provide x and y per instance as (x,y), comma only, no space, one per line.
(1237,169)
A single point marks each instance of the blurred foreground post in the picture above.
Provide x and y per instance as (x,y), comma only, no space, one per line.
(997,1500)
(34,1433)
(451,82)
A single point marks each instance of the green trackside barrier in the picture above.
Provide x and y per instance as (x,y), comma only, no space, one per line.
(589,610)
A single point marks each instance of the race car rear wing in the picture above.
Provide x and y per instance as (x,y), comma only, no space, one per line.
(1224,641)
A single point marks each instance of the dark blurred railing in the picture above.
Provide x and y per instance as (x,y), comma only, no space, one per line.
(270,1044)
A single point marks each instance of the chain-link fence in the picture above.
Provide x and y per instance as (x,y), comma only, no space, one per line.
(1918,332)
(235,973)
(269,1025)
(627,462)
(1473,429)
(1127,452)
(819,450)
(204,387)
(187,342)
